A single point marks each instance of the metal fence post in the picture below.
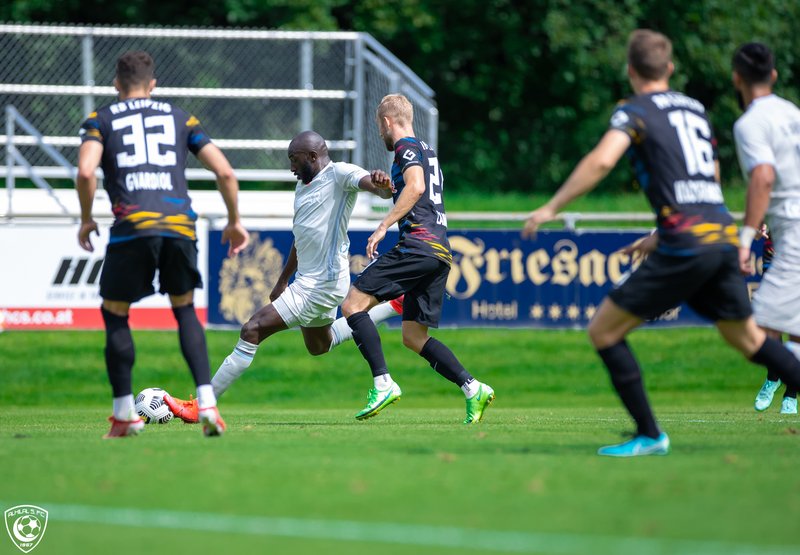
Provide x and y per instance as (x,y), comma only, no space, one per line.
(9,156)
(433,128)
(307,83)
(358,105)
(87,66)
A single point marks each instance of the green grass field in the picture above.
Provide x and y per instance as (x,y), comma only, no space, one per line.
(297,474)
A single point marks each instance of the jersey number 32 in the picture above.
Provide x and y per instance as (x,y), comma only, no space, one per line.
(147,140)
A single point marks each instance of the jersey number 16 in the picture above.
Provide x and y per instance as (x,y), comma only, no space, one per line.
(694,134)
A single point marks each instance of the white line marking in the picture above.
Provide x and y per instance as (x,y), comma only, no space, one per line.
(400,534)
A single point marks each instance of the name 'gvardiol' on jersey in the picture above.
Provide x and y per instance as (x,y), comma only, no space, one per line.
(673,152)
(424,229)
(145,146)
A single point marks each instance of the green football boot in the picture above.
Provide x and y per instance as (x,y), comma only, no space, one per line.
(378,399)
(477,404)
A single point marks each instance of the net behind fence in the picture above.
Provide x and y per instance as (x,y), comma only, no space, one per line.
(252,90)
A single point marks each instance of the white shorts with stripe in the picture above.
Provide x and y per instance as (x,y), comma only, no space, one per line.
(311,303)
(776,302)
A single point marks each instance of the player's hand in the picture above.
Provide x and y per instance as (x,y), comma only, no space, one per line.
(381,180)
(237,236)
(85,235)
(279,288)
(745,265)
(536,219)
(372,243)
(642,246)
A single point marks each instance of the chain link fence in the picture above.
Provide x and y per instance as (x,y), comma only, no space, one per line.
(252,90)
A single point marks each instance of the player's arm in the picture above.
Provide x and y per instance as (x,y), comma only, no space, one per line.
(89,156)
(759,187)
(758,164)
(414,178)
(227,184)
(586,175)
(378,183)
(288,271)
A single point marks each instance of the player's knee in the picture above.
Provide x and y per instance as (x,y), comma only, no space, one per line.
(596,335)
(251,331)
(414,342)
(317,349)
(351,306)
(348,308)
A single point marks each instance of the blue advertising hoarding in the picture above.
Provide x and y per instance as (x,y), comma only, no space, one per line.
(497,278)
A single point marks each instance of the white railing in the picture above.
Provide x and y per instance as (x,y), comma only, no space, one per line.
(327,81)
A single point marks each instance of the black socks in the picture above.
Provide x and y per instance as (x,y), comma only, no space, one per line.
(119,352)
(193,343)
(442,359)
(368,341)
(780,362)
(627,380)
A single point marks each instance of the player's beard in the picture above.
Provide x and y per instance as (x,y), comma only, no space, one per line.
(388,142)
(306,173)
(740,101)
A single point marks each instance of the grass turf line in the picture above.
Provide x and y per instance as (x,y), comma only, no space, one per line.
(295,452)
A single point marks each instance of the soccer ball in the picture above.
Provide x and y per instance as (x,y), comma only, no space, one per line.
(151,407)
(28,527)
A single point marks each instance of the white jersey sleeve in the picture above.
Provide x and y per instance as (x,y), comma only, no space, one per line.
(752,144)
(769,133)
(349,175)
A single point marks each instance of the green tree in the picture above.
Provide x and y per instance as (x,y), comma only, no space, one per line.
(524,87)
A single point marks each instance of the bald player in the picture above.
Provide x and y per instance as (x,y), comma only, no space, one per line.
(323,203)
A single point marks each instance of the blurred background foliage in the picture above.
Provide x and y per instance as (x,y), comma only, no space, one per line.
(524,88)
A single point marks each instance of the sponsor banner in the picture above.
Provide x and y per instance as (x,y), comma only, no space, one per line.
(48,281)
(85,318)
(497,279)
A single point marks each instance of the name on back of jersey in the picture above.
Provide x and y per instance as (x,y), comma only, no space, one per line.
(138,104)
(148,181)
(676,100)
(696,191)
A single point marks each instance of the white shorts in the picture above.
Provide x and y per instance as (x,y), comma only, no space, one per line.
(310,303)
(776,302)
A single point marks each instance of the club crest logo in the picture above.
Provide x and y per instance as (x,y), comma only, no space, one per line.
(246,281)
(26,525)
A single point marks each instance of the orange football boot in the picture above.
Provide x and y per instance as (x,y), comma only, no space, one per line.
(185,410)
(213,424)
(124,428)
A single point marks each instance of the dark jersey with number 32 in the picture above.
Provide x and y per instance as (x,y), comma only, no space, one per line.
(145,147)
(673,152)
(424,229)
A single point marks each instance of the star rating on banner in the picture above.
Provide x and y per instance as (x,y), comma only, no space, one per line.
(573,312)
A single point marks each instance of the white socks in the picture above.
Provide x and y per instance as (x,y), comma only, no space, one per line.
(384,381)
(231,368)
(206,397)
(124,408)
(341,332)
(471,388)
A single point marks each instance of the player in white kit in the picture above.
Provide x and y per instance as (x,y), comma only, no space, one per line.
(768,146)
(324,200)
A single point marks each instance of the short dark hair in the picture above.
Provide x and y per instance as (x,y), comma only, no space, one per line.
(135,68)
(649,54)
(754,63)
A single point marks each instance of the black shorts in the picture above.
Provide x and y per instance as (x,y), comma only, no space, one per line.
(710,283)
(422,279)
(130,266)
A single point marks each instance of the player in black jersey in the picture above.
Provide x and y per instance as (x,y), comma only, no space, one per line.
(693,257)
(417,266)
(142,146)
